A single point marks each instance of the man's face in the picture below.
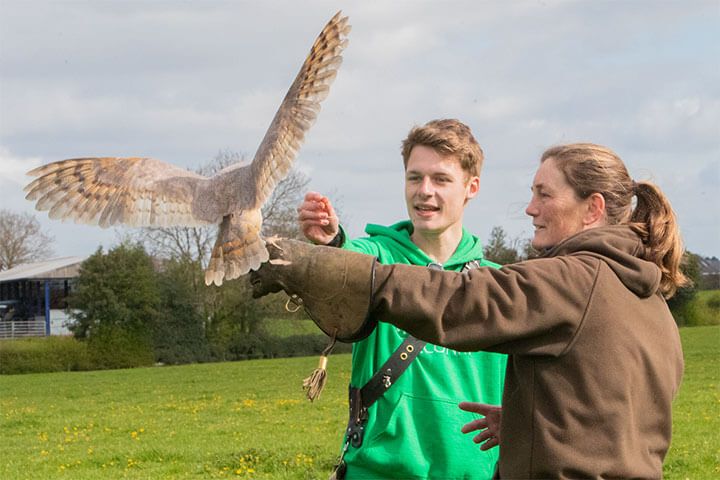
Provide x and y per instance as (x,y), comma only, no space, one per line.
(436,190)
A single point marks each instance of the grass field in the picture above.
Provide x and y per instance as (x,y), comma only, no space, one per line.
(285,327)
(224,420)
(695,450)
(250,420)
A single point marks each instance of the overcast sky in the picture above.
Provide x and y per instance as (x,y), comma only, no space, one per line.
(180,81)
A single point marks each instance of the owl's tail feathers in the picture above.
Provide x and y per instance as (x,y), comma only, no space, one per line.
(215,271)
(233,258)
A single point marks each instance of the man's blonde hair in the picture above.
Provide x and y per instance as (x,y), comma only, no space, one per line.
(447,137)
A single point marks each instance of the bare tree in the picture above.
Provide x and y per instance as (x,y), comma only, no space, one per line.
(185,243)
(22,239)
(280,211)
(504,250)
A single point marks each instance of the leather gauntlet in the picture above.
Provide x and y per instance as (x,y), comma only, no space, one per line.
(334,286)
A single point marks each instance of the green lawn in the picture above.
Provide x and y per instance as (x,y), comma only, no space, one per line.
(695,450)
(224,420)
(285,327)
(250,420)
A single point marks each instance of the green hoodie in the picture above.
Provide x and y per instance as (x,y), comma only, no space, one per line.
(413,430)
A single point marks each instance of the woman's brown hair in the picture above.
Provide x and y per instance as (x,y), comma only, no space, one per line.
(591,168)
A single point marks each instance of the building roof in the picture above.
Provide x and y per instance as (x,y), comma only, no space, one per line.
(709,266)
(65,267)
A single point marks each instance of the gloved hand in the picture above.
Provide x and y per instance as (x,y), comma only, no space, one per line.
(334,285)
(267,278)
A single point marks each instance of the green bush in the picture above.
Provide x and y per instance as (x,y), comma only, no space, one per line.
(262,345)
(714,303)
(309,344)
(114,347)
(178,338)
(703,309)
(44,354)
(179,332)
(289,325)
(245,346)
(679,303)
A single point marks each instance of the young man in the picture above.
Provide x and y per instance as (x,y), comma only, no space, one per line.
(413,428)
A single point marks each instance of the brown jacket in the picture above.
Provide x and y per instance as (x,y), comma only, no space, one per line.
(595,356)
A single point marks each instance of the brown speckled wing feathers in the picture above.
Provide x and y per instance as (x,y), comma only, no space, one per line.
(110,191)
(299,109)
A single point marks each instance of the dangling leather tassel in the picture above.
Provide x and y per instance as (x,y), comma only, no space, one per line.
(314,384)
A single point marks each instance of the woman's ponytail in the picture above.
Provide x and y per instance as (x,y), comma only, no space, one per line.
(592,168)
(653,219)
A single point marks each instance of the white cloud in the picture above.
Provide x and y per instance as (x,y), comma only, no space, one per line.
(13,169)
(180,80)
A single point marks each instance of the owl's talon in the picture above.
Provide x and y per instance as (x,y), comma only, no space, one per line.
(273,241)
(279,261)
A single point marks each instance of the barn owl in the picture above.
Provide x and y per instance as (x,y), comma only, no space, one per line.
(143,192)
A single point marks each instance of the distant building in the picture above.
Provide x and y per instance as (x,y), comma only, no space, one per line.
(709,273)
(33,297)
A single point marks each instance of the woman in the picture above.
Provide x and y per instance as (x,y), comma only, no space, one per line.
(595,356)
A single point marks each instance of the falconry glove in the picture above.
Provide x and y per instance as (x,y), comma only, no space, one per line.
(334,286)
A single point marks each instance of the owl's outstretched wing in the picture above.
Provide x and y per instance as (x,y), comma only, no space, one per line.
(298,110)
(109,191)
(148,192)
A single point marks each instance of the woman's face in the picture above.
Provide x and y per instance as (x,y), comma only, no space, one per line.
(556,211)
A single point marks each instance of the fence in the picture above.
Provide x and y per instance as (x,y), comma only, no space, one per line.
(22,328)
